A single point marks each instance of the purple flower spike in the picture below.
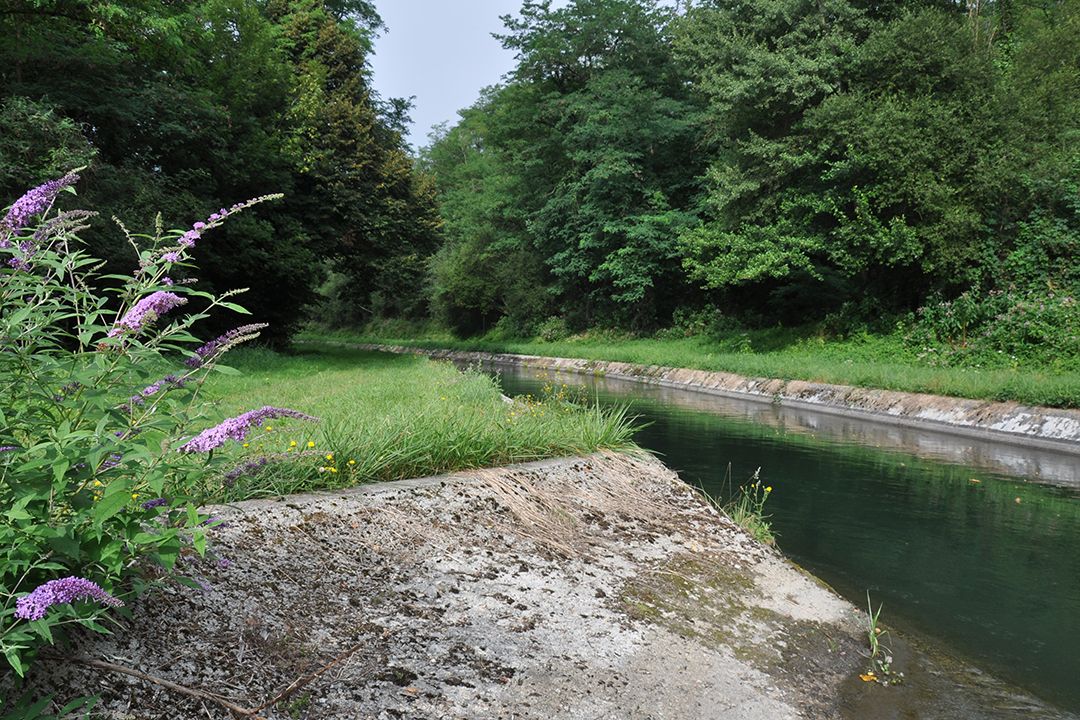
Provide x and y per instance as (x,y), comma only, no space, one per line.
(147,310)
(222,344)
(35,202)
(61,592)
(237,428)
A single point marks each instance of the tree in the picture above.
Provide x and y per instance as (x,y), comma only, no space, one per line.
(601,129)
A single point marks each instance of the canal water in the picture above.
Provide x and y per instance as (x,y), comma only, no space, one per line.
(972,547)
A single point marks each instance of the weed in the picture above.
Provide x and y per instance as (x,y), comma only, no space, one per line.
(880,658)
(746,507)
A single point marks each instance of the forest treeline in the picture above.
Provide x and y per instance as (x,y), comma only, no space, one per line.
(726,163)
(751,162)
(183,108)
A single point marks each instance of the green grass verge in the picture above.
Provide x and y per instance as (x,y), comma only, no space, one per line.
(387,417)
(865,360)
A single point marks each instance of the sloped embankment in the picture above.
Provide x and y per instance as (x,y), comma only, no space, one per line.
(580,588)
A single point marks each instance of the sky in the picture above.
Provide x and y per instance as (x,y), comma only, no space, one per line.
(442,52)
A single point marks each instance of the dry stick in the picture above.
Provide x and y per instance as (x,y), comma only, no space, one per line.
(294,687)
(201,694)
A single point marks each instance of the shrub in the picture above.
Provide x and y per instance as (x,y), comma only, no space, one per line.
(999,328)
(102,462)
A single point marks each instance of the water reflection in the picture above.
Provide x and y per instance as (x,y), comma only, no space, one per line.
(970,543)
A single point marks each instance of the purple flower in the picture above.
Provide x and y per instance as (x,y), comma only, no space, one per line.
(147,310)
(61,592)
(151,504)
(35,202)
(171,257)
(167,281)
(237,428)
(223,343)
(6,448)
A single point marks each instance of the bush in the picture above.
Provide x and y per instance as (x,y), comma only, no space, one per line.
(999,328)
(102,466)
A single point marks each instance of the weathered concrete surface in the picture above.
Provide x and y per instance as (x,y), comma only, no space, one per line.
(599,587)
(1050,428)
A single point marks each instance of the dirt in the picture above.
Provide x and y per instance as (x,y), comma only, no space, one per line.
(599,587)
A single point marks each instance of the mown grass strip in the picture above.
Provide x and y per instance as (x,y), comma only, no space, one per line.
(391,417)
(868,361)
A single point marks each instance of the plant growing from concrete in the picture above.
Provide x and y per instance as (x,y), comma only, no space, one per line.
(747,509)
(880,658)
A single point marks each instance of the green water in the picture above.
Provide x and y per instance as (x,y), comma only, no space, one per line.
(988,571)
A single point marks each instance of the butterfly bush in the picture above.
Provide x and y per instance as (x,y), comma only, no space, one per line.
(237,428)
(146,311)
(61,592)
(98,504)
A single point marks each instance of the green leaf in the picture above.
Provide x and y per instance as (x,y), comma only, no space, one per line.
(65,544)
(236,308)
(109,505)
(60,467)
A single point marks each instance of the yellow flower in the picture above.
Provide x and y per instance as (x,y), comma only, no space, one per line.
(135,496)
(310,444)
(292,444)
(352,462)
(269,428)
(246,444)
(768,489)
(330,456)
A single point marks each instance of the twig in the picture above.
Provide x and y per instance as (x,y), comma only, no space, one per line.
(296,686)
(201,694)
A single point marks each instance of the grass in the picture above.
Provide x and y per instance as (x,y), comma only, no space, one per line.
(388,418)
(863,360)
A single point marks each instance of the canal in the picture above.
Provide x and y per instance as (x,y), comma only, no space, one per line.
(971,546)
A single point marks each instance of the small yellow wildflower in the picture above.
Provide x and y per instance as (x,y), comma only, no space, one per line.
(292,444)
(310,444)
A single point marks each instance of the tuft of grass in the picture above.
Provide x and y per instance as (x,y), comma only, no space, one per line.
(747,509)
(746,506)
(880,660)
(391,417)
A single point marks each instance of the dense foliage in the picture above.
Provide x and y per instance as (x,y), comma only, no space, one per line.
(721,164)
(106,451)
(764,161)
(185,108)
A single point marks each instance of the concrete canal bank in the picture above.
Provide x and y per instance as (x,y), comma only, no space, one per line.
(600,587)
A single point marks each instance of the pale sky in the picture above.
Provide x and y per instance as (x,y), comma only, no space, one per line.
(442,52)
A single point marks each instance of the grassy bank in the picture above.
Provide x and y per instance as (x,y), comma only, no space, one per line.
(864,360)
(388,418)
